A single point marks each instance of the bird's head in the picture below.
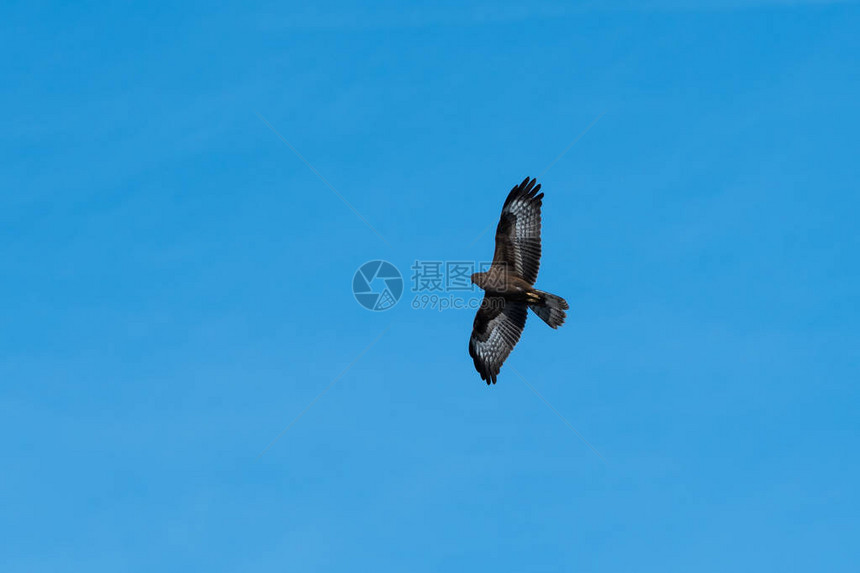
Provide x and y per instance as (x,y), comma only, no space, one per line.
(478,279)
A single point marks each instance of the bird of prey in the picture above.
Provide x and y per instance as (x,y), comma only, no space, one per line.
(509,284)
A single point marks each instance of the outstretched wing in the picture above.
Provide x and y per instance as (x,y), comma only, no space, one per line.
(518,233)
(496,331)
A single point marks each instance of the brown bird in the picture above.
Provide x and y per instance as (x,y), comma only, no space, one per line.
(509,284)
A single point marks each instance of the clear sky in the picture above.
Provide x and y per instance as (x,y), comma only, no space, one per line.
(175,286)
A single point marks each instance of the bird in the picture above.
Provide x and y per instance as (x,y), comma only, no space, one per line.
(508,284)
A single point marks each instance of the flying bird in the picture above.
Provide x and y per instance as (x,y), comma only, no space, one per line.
(509,284)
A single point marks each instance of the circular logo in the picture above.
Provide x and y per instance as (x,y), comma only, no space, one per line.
(377,285)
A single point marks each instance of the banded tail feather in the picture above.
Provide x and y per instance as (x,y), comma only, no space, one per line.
(550,308)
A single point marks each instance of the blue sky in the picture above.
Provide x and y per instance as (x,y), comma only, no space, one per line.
(175,287)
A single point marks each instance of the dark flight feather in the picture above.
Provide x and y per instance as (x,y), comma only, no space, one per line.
(518,232)
(496,330)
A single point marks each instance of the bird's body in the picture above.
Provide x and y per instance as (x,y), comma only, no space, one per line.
(509,284)
(498,281)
